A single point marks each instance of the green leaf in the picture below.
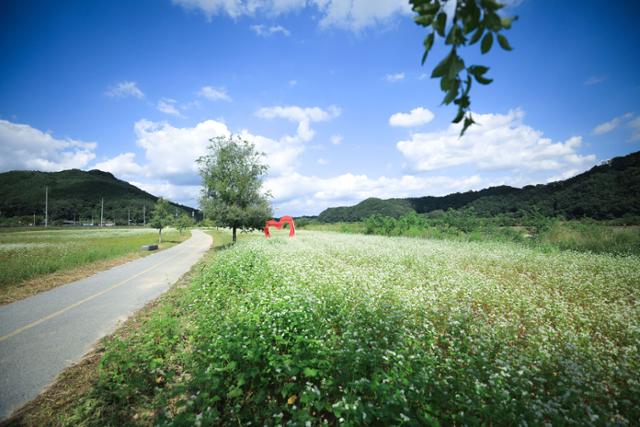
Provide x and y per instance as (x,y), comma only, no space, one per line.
(506,23)
(468,88)
(456,65)
(428,44)
(235,392)
(463,102)
(477,70)
(493,21)
(424,20)
(504,43)
(310,372)
(483,80)
(471,17)
(441,69)
(468,121)
(476,36)
(440,23)
(491,5)
(459,116)
(455,36)
(487,41)
(452,93)
(445,84)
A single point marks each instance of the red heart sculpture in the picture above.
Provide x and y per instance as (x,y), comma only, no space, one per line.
(279,225)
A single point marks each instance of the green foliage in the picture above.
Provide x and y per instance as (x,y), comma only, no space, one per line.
(366,330)
(393,208)
(232,176)
(161,217)
(73,194)
(605,192)
(183,222)
(472,20)
(531,229)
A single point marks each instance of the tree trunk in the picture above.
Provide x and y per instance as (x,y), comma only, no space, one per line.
(159,235)
(234,234)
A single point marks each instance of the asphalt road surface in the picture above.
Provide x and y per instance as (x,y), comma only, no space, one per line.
(43,334)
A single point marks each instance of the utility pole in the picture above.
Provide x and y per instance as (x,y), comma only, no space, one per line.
(129,217)
(46,206)
(102,213)
(144,215)
(34,219)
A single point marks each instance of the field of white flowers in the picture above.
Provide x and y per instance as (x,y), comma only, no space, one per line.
(333,328)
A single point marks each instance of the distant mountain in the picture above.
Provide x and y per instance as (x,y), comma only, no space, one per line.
(609,190)
(75,195)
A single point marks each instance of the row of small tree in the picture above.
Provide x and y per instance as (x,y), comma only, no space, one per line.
(162,218)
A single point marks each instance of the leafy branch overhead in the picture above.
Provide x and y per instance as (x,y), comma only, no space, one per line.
(473,21)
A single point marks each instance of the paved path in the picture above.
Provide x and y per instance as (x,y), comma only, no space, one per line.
(43,334)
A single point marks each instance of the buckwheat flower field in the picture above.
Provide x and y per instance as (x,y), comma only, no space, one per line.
(332,328)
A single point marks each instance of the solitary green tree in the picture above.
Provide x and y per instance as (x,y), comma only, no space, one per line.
(182,222)
(161,217)
(232,174)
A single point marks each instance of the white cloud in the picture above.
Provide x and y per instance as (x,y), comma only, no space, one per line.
(184,194)
(303,116)
(124,89)
(214,94)
(423,76)
(416,117)
(336,139)
(612,124)
(300,194)
(168,106)
(358,14)
(24,147)
(293,83)
(169,166)
(497,142)
(280,155)
(123,165)
(171,152)
(321,161)
(264,31)
(392,78)
(353,15)
(564,175)
(594,80)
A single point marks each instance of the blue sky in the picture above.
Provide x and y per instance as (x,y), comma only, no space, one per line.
(331,90)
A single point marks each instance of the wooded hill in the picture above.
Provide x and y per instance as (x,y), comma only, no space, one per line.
(609,190)
(74,195)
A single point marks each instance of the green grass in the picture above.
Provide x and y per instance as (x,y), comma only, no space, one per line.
(351,329)
(29,253)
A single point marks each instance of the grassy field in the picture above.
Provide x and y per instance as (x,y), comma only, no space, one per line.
(27,254)
(352,329)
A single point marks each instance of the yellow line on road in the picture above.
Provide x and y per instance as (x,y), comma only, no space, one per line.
(59,312)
